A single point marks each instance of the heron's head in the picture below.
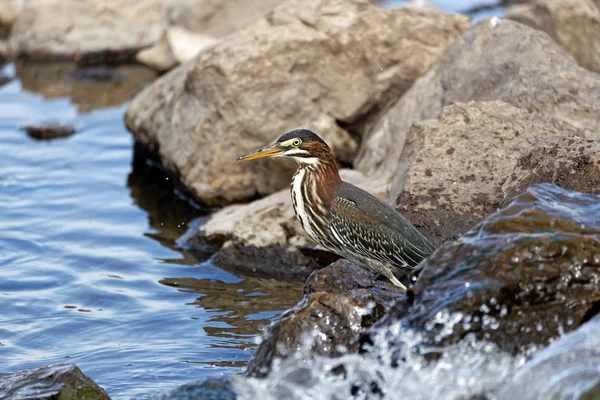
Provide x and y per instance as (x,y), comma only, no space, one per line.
(302,145)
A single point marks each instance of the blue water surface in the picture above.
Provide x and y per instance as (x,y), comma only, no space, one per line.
(90,272)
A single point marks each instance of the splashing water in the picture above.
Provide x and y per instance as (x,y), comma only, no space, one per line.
(465,369)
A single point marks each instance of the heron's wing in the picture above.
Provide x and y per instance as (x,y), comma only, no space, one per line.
(370,227)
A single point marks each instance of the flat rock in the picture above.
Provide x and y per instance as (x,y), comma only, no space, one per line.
(263,237)
(72,29)
(57,381)
(495,60)
(289,69)
(573,24)
(522,278)
(569,162)
(452,170)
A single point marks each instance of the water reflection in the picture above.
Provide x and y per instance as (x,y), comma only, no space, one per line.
(90,88)
(245,307)
(154,190)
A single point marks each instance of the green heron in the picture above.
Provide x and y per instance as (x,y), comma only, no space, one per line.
(341,217)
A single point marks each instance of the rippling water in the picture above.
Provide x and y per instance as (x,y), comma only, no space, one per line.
(89,269)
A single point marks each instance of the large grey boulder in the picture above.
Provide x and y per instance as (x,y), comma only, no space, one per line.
(452,169)
(323,64)
(495,60)
(573,24)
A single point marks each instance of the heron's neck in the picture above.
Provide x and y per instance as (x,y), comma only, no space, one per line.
(319,179)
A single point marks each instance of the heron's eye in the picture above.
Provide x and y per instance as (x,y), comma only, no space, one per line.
(296,142)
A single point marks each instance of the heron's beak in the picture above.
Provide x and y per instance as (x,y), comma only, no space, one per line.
(272,150)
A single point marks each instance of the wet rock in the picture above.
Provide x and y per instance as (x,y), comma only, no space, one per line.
(522,278)
(452,170)
(346,278)
(57,381)
(49,131)
(263,237)
(83,84)
(568,368)
(569,162)
(340,301)
(71,29)
(329,324)
(289,69)
(209,389)
(495,60)
(573,24)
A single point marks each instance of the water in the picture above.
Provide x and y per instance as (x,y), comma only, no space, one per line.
(476,9)
(90,271)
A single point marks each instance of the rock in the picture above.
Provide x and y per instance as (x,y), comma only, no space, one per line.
(452,170)
(522,278)
(340,301)
(10,11)
(49,131)
(216,18)
(194,25)
(290,69)
(573,24)
(263,237)
(347,278)
(495,60)
(159,56)
(4,53)
(82,85)
(71,29)
(567,369)
(185,45)
(57,381)
(569,162)
(210,389)
(329,324)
